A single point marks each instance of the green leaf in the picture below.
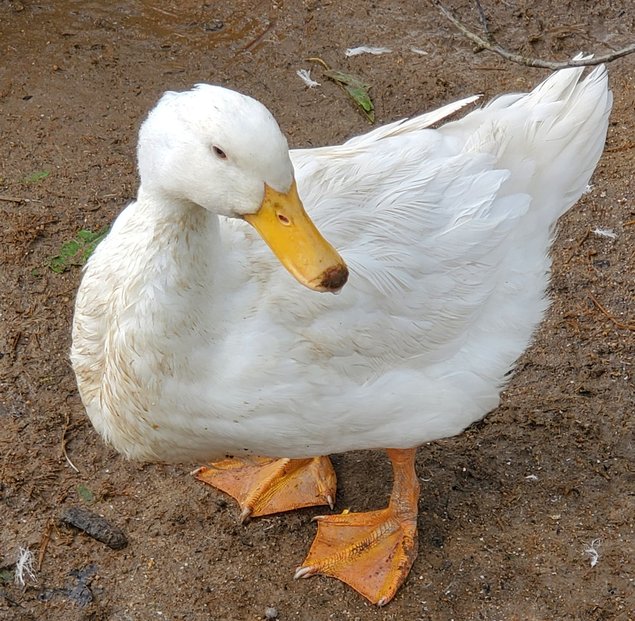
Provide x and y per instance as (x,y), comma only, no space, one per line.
(6,575)
(70,248)
(84,493)
(92,242)
(65,258)
(88,236)
(36,176)
(357,90)
(76,251)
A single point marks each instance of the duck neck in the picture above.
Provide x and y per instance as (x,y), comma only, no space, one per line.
(169,212)
(182,242)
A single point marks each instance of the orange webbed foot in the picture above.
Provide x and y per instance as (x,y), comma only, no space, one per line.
(371,552)
(263,486)
(374,551)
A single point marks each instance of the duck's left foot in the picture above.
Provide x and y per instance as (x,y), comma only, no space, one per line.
(371,552)
(263,486)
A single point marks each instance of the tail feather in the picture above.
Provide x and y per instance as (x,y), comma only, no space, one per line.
(416,123)
(574,139)
(549,139)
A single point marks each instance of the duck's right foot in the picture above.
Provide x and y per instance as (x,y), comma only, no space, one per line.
(263,485)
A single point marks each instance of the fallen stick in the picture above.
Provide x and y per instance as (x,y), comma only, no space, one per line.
(525,60)
(617,322)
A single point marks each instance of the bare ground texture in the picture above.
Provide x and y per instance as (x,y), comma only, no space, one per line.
(509,509)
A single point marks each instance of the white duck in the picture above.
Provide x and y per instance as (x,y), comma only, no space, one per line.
(190,343)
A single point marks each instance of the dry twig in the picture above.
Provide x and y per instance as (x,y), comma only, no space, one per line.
(260,37)
(158,10)
(484,22)
(44,542)
(602,309)
(524,60)
(578,246)
(64,440)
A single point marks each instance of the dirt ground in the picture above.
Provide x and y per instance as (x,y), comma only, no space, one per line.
(509,509)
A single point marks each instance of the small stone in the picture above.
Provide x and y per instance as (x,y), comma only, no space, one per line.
(213,26)
(271,613)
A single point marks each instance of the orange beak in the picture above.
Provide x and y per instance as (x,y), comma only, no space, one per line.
(295,240)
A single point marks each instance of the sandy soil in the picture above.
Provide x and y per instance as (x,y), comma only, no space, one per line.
(508,509)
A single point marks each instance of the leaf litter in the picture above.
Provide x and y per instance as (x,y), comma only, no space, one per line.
(77,251)
(354,86)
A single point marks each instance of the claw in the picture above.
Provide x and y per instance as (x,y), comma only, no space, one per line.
(245,515)
(304,572)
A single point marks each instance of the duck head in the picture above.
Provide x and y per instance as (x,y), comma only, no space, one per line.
(225,152)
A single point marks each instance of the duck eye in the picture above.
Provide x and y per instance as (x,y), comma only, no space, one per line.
(219,152)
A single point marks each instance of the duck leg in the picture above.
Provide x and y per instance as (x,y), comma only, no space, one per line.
(263,485)
(371,552)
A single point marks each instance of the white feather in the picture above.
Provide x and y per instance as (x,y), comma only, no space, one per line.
(367,49)
(305,76)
